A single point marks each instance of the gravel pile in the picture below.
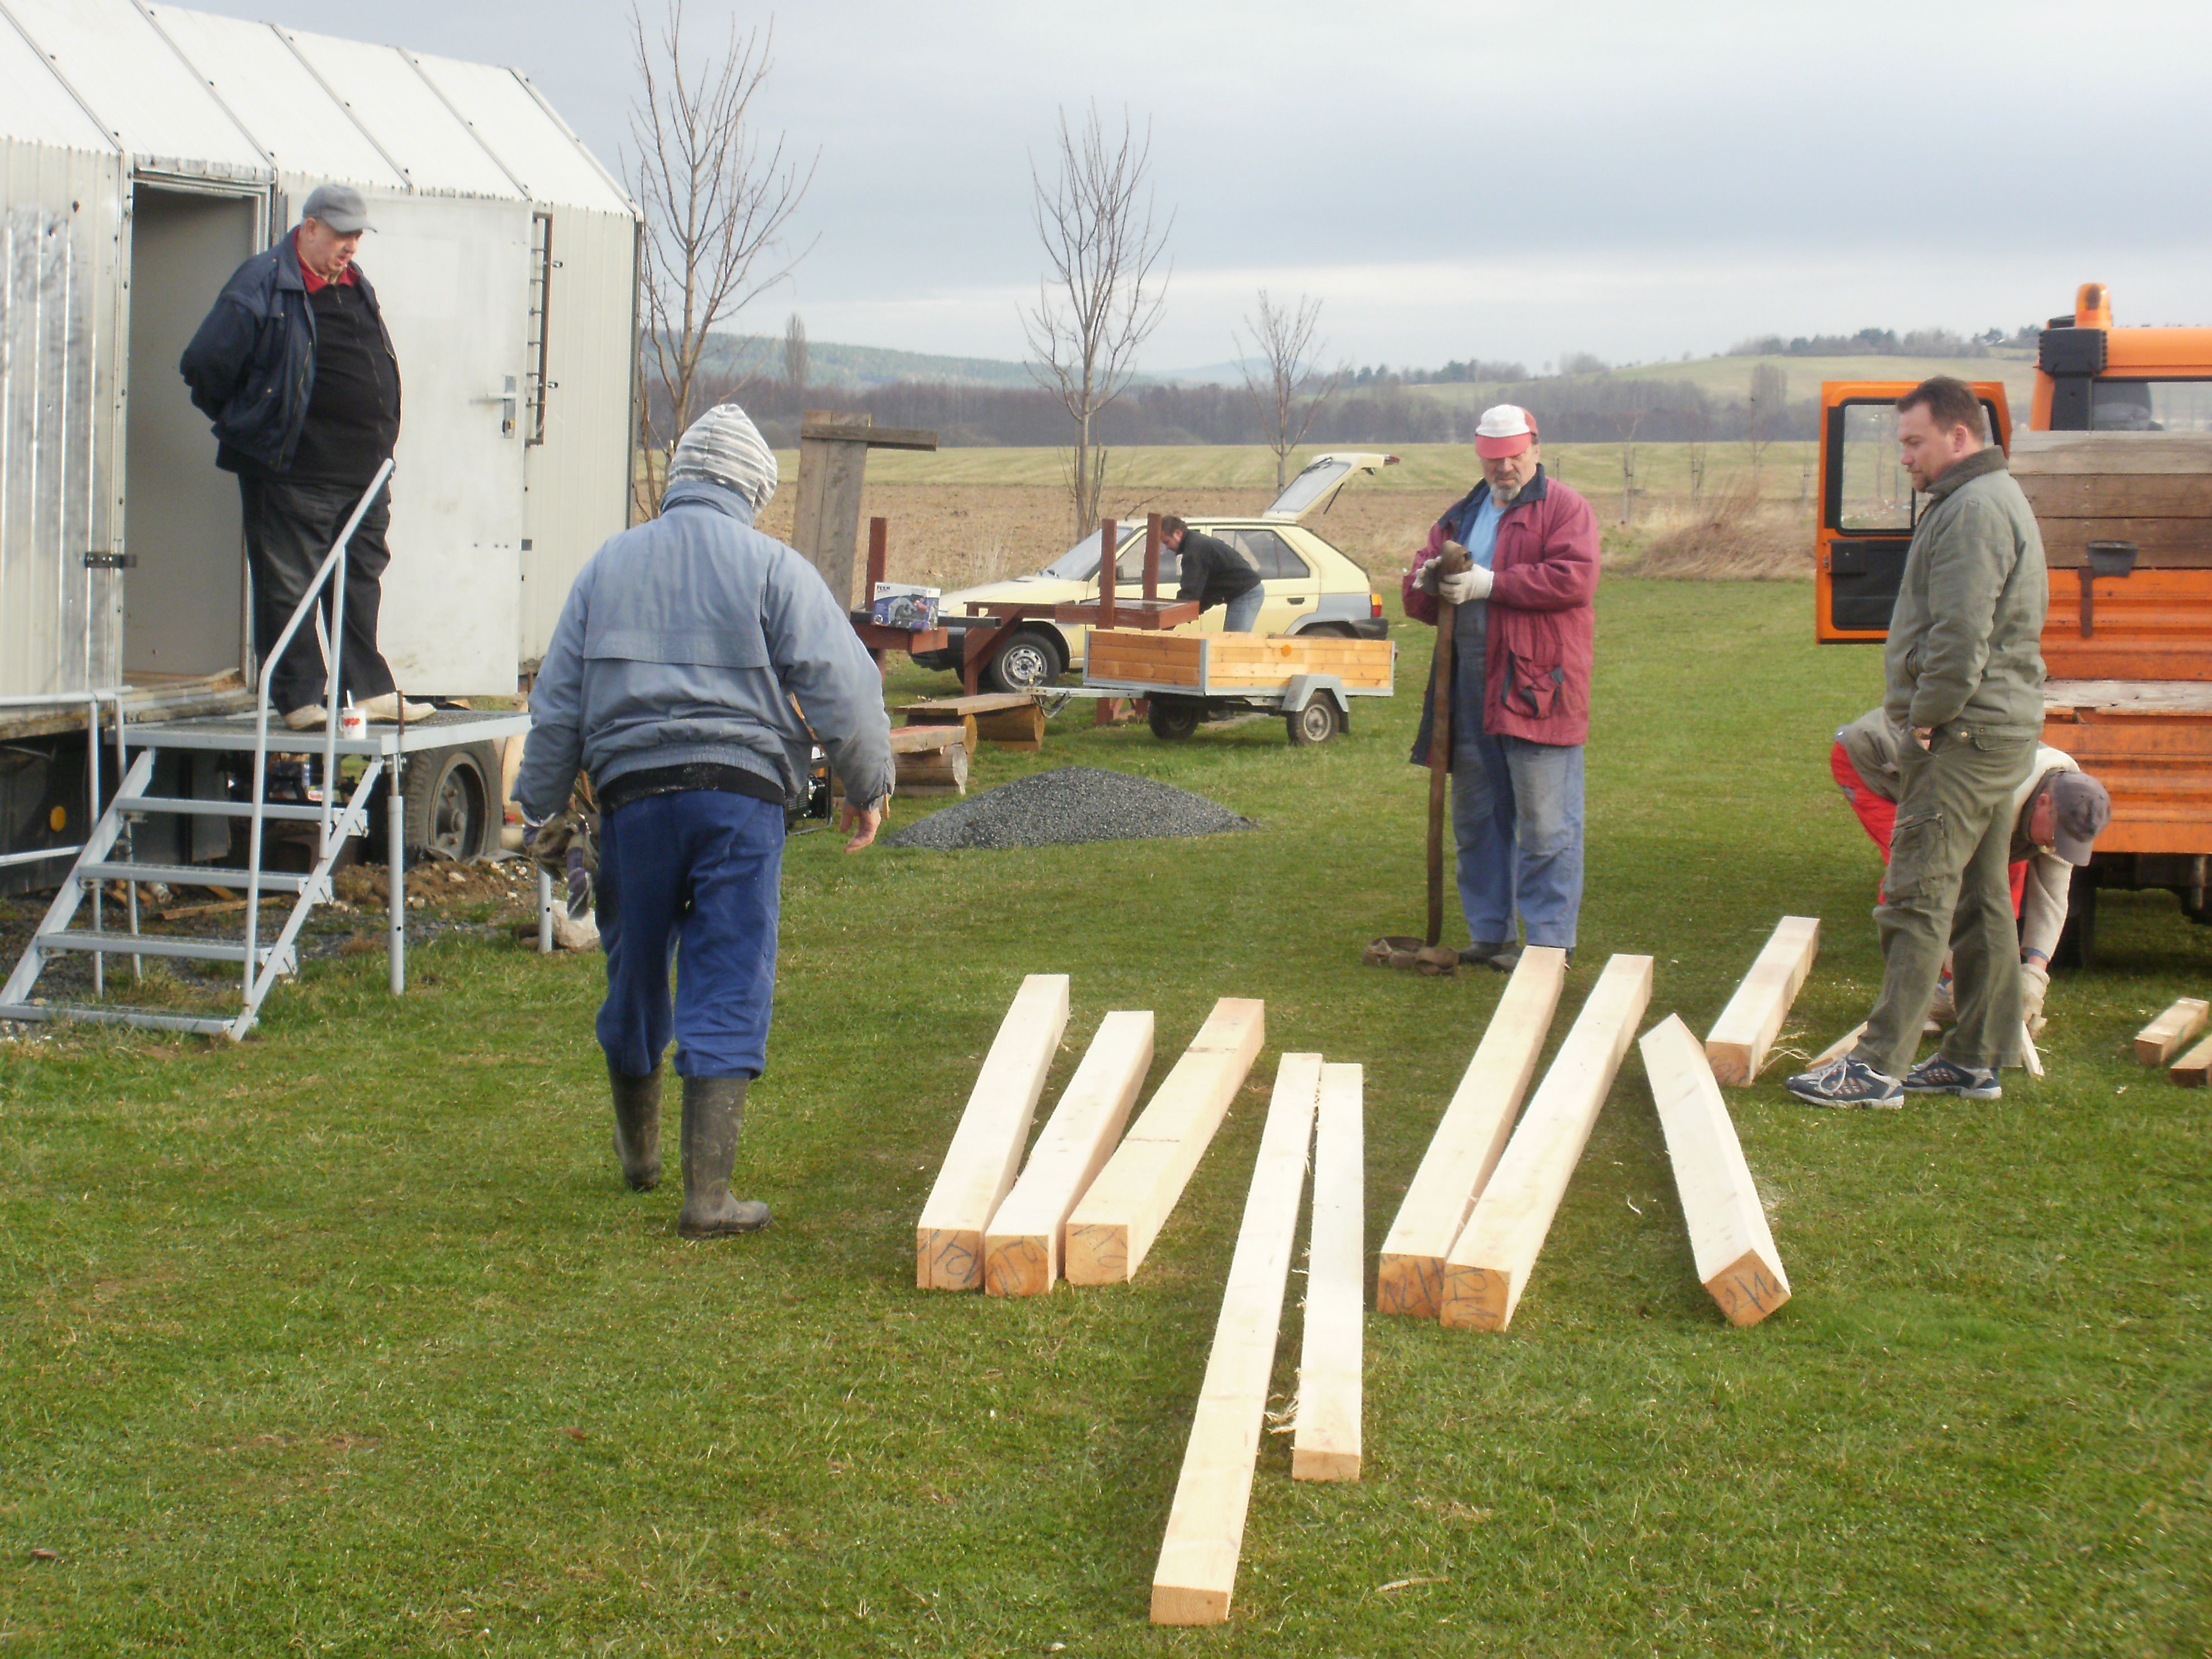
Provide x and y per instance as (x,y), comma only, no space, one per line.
(1071,804)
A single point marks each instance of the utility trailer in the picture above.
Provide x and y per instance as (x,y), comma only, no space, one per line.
(2118,466)
(1186,679)
(145,151)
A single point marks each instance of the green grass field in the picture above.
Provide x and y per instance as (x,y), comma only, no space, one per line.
(350,1340)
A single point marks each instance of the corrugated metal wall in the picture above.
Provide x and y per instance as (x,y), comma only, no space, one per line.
(60,622)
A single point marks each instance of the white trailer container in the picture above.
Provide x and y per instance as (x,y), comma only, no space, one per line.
(145,150)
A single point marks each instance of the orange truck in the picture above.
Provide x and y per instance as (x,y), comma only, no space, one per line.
(2117,462)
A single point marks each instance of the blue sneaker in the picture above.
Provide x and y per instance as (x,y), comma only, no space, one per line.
(1940,1076)
(1845,1082)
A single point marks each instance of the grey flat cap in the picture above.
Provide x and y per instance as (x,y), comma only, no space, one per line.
(339,206)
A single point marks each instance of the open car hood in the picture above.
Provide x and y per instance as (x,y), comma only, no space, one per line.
(1319,480)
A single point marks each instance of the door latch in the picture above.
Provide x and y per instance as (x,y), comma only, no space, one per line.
(96,560)
(506,398)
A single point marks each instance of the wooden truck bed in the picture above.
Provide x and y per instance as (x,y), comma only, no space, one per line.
(1235,665)
(2150,744)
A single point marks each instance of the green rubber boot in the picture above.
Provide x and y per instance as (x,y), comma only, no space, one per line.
(714,1107)
(637,1127)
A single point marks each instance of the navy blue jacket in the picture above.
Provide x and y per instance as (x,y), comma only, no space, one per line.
(251,365)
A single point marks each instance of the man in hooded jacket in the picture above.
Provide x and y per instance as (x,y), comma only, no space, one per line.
(694,666)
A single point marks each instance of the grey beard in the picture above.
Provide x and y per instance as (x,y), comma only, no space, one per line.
(1503,497)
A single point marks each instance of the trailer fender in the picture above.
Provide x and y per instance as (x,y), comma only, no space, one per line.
(1302,689)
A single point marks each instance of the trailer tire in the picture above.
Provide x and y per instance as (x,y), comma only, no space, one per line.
(453,804)
(1315,724)
(1171,722)
(1029,661)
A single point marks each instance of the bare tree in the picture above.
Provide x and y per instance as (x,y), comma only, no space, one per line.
(1625,422)
(718,196)
(1286,385)
(1764,409)
(794,361)
(1701,427)
(1099,299)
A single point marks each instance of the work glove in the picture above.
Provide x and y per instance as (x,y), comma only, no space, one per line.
(1432,573)
(1470,585)
(2034,986)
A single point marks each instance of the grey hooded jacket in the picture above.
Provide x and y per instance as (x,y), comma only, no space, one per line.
(1965,640)
(686,640)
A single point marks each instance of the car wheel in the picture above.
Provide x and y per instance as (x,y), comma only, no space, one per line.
(1171,722)
(1030,661)
(1315,723)
(451,802)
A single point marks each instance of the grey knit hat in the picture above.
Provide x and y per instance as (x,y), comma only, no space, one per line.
(724,447)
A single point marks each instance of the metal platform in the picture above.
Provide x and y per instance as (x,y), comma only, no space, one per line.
(448,728)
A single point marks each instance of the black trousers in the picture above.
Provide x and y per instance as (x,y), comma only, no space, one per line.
(289,528)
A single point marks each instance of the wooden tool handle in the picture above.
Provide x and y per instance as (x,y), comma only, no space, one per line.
(1451,562)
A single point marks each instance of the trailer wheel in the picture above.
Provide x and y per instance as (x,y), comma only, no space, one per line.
(1315,723)
(1171,722)
(1030,660)
(451,802)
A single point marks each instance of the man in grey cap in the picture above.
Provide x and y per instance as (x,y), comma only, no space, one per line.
(295,368)
(695,666)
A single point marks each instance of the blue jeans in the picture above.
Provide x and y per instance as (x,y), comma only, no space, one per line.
(1517,814)
(691,879)
(1243,610)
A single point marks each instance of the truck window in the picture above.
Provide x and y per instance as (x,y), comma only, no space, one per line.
(1876,493)
(2150,405)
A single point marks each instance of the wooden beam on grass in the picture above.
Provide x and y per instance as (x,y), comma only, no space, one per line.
(1738,1043)
(986,1148)
(1836,1050)
(1325,1441)
(2160,1040)
(1489,1266)
(1197,1569)
(1729,1239)
(1022,1246)
(1470,1137)
(1113,1225)
(2192,1069)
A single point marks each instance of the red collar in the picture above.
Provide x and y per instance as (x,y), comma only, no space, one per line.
(316,284)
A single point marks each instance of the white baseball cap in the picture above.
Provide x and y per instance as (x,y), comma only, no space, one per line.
(1505,429)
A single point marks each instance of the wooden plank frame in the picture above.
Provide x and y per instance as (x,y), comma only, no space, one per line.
(1729,1239)
(1197,1571)
(1325,1438)
(986,1148)
(1023,1247)
(1469,1139)
(1112,1227)
(1737,1044)
(1488,1268)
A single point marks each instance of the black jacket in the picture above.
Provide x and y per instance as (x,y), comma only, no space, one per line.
(1213,572)
(251,365)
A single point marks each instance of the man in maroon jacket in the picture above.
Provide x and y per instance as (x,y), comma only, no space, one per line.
(1521,688)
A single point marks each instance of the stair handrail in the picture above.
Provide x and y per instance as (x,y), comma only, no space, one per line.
(334,561)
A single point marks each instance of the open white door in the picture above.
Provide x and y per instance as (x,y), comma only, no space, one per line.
(452,277)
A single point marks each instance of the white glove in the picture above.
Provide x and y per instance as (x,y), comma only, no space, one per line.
(1471,584)
(2034,986)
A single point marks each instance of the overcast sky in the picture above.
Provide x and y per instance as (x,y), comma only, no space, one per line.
(1455,178)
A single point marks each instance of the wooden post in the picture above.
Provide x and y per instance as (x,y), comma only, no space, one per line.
(1738,1043)
(1113,1225)
(986,1148)
(1023,1247)
(1489,1267)
(1110,570)
(1729,1239)
(2160,1040)
(1469,1139)
(879,558)
(1325,1445)
(1152,557)
(1197,1570)
(832,470)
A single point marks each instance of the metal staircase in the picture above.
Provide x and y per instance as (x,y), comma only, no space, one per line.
(261,964)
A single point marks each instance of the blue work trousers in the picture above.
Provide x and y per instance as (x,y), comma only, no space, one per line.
(1243,610)
(1517,814)
(690,880)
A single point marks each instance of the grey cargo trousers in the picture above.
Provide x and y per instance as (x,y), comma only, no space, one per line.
(1947,888)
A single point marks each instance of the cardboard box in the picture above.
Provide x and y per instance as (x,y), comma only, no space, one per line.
(902,604)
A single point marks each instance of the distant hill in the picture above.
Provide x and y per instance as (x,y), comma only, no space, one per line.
(834,367)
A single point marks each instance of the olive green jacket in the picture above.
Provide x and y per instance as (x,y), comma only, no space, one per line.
(1966,638)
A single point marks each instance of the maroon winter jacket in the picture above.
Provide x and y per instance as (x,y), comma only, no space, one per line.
(1537,683)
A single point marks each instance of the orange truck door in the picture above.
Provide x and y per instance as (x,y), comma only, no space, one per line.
(1868,508)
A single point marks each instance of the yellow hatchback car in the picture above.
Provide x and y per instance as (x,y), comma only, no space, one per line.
(1311,587)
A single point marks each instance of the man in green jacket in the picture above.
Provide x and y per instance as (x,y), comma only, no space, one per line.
(1963,667)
